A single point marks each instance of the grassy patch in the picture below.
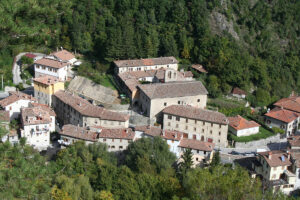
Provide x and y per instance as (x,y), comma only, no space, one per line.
(263,133)
(107,81)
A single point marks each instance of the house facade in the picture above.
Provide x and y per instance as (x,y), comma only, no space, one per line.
(276,170)
(45,87)
(72,109)
(284,119)
(37,123)
(52,67)
(122,66)
(116,139)
(239,126)
(153,98)
(202,151)
(197,124)
(14,102)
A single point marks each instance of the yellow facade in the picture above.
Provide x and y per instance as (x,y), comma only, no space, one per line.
(48,89)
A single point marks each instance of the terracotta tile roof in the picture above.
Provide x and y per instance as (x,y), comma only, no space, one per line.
(196,113)
(196,144)
(278,158)
(283,115)
(92,135)
(87,109)
(146,62)
(173,89)
(238,91)
(131,79)
(44,107)
(4,116)
(294,141)
(47,80)
(30,55)
(35,115)
(51,63)
(199,68)
(291,103)
(78,133)
(188,74)
(240,123)
(63,55)
(156,131)
(161,74)
(15,96)
(122,133)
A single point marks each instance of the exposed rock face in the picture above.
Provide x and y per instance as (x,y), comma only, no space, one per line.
(219,23)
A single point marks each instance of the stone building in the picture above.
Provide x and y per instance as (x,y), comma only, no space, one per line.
(276,170)
(116,139)
(14,102)
(122,66)
(197,123)
(37,123)
(45,87)
(202,151)
(128,81)
(153,98)
(72,109)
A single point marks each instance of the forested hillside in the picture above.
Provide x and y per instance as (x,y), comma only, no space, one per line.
(82,172)
(251,44)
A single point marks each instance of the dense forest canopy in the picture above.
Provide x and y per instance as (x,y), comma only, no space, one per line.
(250,44)
(90,172)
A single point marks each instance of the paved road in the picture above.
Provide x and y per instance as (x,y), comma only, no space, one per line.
(17,68)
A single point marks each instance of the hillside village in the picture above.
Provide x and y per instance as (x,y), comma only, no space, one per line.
(174,101)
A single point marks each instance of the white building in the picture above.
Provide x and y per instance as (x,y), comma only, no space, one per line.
(37,123)
(153,98)
(15,102)
(11,135)
(242,127)
(122,66)
(52,67)
(284,119)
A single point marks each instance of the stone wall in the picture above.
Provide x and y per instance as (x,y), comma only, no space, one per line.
(259,143)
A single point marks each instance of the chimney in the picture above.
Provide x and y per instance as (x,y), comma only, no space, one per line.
(270,155)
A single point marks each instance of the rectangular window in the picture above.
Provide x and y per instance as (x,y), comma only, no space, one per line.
(104,140)
(187,120)
(120,140)
(185,135)
(195,129)
(178,102)
(169,124)
(211,124)
(120,147)
(198,100)
(194,137)
(203,123)
(177,118)
(202,130)
(176,125)
(219,133)
(220,126)
(169,117)
(195,121)
(165,104)
(186,127)
(210,132)
(112,140)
